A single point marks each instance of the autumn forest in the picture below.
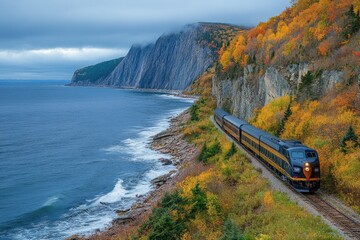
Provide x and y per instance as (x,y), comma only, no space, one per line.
(224,196)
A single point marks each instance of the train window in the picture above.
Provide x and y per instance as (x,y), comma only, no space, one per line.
(297,154)
(310,154)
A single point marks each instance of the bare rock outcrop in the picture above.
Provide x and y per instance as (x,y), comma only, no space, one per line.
(255,89)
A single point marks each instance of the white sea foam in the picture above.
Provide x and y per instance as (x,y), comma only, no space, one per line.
(99,212)
(171,96)
(115,195)
(138,147)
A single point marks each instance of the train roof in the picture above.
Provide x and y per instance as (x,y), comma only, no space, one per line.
(221,112)
(288,144)
(276,143)
(271,141)
(235,121)
(255,132)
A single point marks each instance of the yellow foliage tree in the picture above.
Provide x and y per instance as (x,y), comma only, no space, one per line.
(240,47)
(270,115)
(282,30)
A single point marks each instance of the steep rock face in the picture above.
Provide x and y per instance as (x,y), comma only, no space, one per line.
(172,63)
(253,90)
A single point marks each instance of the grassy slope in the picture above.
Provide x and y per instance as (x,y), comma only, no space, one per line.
(229,199)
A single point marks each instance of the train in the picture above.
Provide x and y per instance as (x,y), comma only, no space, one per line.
(294,162)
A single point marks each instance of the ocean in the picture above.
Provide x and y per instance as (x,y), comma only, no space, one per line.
(71,156)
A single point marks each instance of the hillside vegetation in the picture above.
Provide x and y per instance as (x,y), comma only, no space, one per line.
(93,73)
(323,32)
(227,199)
(324,125)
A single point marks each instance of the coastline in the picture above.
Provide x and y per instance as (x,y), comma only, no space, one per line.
(183,153)
(177,93)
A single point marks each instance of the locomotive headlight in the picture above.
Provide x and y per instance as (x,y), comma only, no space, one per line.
(307,169)
(316,169)
(297,169)
(307,164)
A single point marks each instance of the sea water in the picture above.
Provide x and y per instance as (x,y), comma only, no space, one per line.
(71,156)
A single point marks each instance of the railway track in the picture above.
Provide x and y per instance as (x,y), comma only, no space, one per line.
(347,224)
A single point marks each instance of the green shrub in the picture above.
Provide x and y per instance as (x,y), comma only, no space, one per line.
(209,152)
(352,23)
(194,113)
(350,136)
(162,224)
(164,227)
(231,151)
(198,200)
(306,80)
(214,149)
(203,154)
(231,232)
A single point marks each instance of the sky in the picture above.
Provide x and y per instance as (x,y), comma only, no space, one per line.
(50,39)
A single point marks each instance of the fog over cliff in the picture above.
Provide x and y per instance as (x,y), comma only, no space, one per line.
(173,62)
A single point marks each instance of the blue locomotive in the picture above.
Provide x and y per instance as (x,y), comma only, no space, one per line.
(293,161)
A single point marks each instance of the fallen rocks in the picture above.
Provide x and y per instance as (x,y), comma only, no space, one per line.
(75,237)
(162,135)
(122,212)
(165,161)
(159,181)
(123,219)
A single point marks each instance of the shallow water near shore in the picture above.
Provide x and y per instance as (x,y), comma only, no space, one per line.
(71,156)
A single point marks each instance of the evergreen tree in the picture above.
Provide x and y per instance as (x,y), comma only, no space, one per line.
(208,152)
(214,149)
(349,136)
(162,223)
(231,232)
(306,80)
(198,199)
(352,23)
(231,151)
(165,227)
(194,115)
(281,126)
(203,156)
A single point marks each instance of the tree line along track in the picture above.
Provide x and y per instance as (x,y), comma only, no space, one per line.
(349,226)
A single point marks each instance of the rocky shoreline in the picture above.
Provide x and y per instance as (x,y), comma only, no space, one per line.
(171,142)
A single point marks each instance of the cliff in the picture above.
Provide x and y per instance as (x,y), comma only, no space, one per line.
(253,89)
(96,73)
(172,62)
(306,51)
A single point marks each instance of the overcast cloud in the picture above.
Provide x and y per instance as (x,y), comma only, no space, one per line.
(49,39)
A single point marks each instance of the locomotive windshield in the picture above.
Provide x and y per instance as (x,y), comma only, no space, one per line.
(310,154)
(297,154)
